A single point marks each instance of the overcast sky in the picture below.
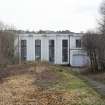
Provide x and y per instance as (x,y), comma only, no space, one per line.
(74,15)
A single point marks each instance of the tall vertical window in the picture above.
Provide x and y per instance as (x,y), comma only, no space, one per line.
(23,50)
(37,49)
(65,50)
(78,43)
(51,50)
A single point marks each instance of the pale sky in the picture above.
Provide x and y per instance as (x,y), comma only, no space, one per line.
(74,15)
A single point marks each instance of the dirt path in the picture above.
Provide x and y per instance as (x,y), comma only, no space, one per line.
(99,87)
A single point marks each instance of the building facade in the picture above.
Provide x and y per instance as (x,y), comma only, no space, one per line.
(55,48)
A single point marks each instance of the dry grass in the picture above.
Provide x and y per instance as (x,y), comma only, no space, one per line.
(44,85)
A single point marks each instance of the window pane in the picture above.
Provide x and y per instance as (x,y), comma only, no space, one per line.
(51,50)
(78,43)
(23,50)
(37,49)
(65,50)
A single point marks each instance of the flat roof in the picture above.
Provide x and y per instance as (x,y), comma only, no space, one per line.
(50,35)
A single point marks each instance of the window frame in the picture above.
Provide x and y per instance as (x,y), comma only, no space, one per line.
(65,50)
(23,50)
(37,49)
(51,50)
(78,43)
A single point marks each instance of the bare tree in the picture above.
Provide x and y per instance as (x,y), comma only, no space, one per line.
(6,44)
(101,39)
(102,19)
(94,44)
(89,42)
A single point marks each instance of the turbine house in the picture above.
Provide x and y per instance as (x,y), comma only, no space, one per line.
(63,49)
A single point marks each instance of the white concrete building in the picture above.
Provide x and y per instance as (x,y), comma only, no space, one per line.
(54,48)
